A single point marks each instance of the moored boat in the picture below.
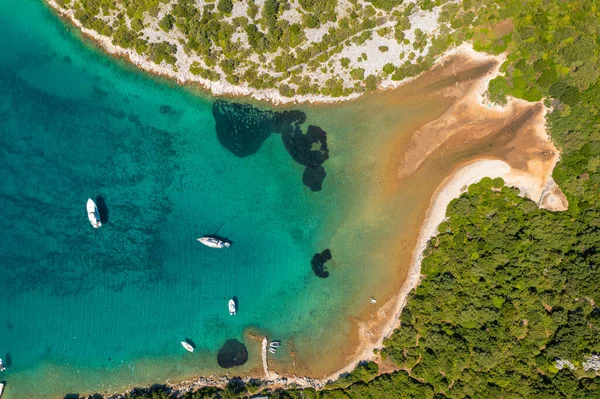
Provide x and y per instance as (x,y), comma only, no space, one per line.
(93,214)
(1,388)
(232,307)
(2,367)
(187,346)
(272,350)
(213,242)
(275,344)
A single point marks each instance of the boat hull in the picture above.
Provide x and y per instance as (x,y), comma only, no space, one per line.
(93,214)
(213,242)
(187,346)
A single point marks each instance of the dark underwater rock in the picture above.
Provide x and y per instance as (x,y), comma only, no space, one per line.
(302,146)
(233,353)
(313,177)
(242,129)
(318,263)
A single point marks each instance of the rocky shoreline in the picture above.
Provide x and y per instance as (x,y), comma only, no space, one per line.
(223,87)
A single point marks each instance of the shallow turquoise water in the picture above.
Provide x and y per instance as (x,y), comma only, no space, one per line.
(87,310)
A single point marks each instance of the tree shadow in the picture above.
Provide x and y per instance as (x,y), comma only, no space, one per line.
(102,209)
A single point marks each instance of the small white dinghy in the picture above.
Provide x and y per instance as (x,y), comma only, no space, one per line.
(93,214)
(232,307)
(213,242)
(1,389)
(187,346)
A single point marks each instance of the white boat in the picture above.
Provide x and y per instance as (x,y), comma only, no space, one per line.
(275,344)
(1,389)
(213,242)
(93,214)
(2,367)
(187,346)
(272,350)
(232,307)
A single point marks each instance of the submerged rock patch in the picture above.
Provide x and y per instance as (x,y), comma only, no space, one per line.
(233,353)
(318,263)
(243,128)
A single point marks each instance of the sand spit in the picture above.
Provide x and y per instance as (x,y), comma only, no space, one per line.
(525,158)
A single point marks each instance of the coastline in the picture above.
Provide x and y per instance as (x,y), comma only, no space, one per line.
(451,188)
(226,89)
(534,181)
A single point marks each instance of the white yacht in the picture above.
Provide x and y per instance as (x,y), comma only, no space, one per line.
(275,344)
(2,367)
(187,346)
(213,242)
(93,214)
(232,307)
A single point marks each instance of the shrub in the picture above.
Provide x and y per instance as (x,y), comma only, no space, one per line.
(371,83)
(166,23)
(357,74)
(388,68)
(385,4)
(225,6)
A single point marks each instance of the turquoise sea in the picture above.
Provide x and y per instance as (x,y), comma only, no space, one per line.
(85,310)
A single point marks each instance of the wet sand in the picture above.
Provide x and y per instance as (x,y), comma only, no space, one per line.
(415,169)
(400,156)
(407,153)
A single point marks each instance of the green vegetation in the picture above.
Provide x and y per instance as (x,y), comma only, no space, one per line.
(364,372)
(266,41)
(225,6)
(386,4)
(552,43)
(508,288)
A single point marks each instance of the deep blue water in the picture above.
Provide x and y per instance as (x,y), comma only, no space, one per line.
(86,310)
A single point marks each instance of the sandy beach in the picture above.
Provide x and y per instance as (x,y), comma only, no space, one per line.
(525,161)
(469,118)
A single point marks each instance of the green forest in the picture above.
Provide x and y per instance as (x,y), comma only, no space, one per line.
(509,289)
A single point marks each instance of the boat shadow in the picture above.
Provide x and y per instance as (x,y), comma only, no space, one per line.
(7,359)
(189,341)
(237,303)
(102,209)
